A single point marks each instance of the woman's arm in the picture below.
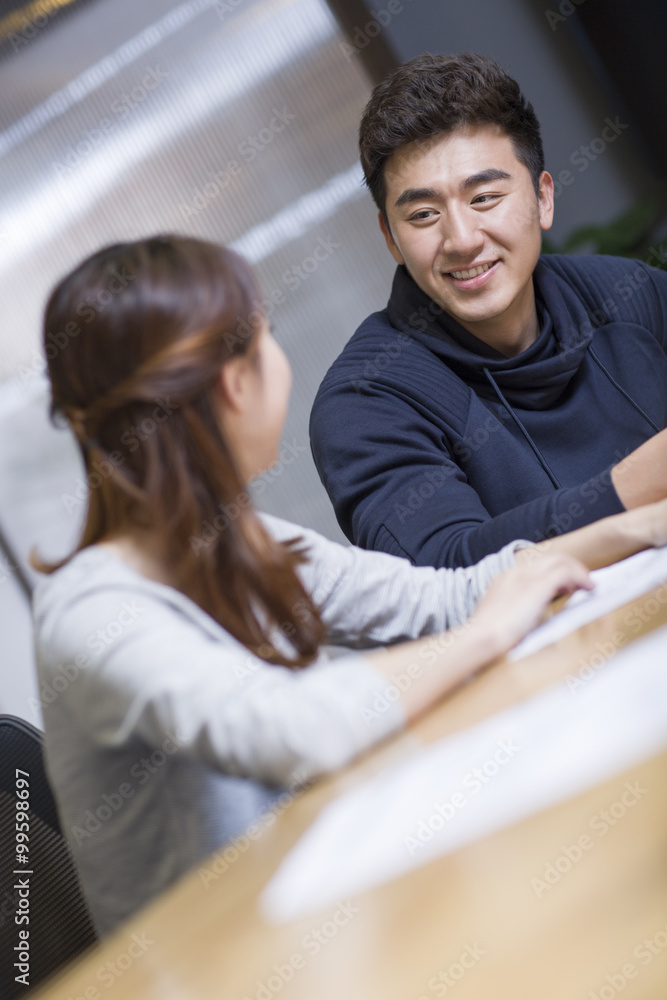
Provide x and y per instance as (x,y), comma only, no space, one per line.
(427,669)
(610,539)
(369,599)
(171,670)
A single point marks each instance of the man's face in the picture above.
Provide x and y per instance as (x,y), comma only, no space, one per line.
(461,203)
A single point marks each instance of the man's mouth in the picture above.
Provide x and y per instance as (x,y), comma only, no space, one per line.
(469,273)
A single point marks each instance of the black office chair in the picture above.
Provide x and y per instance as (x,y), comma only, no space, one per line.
(60,925)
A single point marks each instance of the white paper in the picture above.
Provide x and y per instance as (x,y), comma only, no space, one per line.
(614,586)
(531,756)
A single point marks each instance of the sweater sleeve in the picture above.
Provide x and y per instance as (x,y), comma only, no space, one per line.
(657,280)
(405,493)
(161,673)
(370,598)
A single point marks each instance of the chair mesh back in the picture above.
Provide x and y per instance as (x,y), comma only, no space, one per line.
(60,926)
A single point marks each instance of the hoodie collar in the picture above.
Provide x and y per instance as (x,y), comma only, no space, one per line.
(532,380)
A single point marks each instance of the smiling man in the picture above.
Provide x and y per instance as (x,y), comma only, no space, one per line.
(501,394)
(470,237)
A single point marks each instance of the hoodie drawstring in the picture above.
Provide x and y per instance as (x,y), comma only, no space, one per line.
(540,457)
(622,390)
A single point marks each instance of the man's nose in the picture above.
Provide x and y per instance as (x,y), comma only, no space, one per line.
(462,235)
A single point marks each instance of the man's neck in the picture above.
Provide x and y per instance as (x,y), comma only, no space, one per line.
(510,343)
(510,335)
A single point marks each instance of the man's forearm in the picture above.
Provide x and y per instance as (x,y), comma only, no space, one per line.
(553,514)
(641,477)
(611,539)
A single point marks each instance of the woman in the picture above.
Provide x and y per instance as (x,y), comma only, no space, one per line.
(174,651)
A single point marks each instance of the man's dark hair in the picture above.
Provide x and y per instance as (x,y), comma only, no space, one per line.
(434,95)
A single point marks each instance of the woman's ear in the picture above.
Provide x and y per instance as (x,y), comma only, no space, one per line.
(233,384)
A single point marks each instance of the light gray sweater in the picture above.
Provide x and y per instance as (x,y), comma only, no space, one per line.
(165,737)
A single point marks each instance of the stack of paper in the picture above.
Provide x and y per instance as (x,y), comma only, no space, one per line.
(614,586)
(522,760)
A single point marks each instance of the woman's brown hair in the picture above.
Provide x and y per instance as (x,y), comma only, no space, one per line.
(146,327)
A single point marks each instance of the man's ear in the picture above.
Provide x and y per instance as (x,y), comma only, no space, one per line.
(391,246)
(233,383)
(545,200)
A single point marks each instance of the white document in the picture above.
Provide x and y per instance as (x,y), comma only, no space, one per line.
(526,758)
(614,586)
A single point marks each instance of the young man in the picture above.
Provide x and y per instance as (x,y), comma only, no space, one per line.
(500,394)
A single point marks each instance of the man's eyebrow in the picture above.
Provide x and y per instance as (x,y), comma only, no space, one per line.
(415,194)
(483,177)
(425,194)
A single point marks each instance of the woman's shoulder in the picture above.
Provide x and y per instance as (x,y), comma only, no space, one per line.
(96,593)
(91,570)
(319,547)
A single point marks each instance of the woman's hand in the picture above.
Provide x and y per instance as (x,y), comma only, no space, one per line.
(517,599)
(512,605)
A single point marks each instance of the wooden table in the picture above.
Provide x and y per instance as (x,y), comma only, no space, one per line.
(470,925)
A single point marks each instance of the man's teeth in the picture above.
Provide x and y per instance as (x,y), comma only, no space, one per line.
(472,273)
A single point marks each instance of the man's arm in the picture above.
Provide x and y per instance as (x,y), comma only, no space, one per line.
(641,477)
(609,540)
(396,487)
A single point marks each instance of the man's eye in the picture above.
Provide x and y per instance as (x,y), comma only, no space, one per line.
(425,213)
(485,199)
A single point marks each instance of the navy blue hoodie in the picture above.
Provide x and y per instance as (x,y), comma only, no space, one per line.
(434,446)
